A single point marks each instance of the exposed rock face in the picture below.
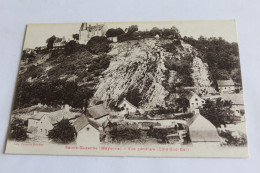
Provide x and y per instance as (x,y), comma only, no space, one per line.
(137,64)
(200,77)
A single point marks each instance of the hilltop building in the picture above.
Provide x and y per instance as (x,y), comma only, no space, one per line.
(86,32)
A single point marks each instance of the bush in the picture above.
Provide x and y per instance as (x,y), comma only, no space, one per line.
(125,134)
(70,47)
(17,130)
(98,45)
(114,32)
(63,132)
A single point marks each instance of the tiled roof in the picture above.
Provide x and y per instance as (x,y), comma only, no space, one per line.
(57,116)
(128,103)
(97,111)
(190,95)
(54,117)
(202,130)
(225,82)
(83,121)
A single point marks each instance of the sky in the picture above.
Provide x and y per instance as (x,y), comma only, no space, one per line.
(37,34)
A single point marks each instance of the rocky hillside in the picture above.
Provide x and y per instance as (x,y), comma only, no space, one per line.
(141,65)
(151,70)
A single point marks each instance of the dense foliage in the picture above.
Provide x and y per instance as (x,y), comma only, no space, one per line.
(98,45)
(17,130)
(124,134)
(70,77)
(52,93)
(62,132)
(133,33)
(27,56)
(75,36)
(183,69)
(70,47)
(50,42)
(217,112)
(221,56)
(234,141)
(114,32)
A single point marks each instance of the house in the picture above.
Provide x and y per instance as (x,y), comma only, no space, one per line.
(40,123)
(86,32)
(59,42)
(195,102)
(237,103)
(87,131)
(125,105)
(226,86)
(202,131)
(98,113)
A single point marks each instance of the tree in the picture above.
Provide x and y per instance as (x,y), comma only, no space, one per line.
(75,36)
(173,32)
(114,32)
(97,45)
(18,130)
(217,112)
(62,132)
(182,103)
(70,47)
(50,42)
(154,31)
(132,29)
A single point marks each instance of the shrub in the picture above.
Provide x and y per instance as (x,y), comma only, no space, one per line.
(97,45)
(17,130)
(63,132)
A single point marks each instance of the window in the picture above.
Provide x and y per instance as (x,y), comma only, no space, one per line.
(196,99)
(41,130)
(46,131)
(87,128)
(124,105)
(197,104)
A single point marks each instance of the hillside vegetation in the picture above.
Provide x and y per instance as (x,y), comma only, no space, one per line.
(147,71)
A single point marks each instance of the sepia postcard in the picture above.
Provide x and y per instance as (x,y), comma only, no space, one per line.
(150,89)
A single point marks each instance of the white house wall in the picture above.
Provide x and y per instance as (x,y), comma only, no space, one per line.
(88,136)
(196,102)
(127,106)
